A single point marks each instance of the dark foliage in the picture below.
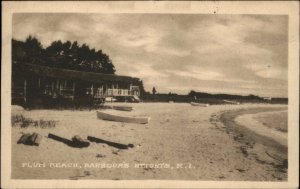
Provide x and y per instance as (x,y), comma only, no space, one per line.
(209,98)
(222,96)
(141,86)
(29,51)
(59,54)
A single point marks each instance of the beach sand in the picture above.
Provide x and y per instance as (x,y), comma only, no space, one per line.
(181,142)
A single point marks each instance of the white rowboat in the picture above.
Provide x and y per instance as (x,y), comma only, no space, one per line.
(120,108)
(110,117)
(199,104)
(231,102)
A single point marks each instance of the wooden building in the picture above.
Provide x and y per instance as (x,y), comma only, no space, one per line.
(31,82)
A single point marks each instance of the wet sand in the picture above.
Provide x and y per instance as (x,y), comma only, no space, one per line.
(180,142)
(276,120)
(262,129)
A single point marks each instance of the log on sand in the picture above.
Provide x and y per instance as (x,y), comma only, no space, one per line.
(30,139)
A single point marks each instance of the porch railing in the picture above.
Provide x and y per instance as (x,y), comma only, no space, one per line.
(118,92)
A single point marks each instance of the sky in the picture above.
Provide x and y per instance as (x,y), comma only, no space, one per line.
(236,54)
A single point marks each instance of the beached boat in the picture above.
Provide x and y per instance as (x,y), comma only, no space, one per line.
(110,99)
(122,108)
(110,117)
(231,102)
(199,104)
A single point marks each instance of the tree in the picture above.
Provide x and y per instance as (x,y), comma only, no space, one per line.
(54,54)
(60,54)
(30,51)
(18,51)
(141,86)
(82,58)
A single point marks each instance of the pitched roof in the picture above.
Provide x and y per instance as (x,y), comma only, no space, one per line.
(77,75)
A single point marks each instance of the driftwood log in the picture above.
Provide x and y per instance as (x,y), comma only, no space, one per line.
(30,139)
(113,144)
(76,142)
(23,139)
(35,139)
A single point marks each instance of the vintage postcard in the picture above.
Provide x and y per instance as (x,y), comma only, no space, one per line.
(150,94)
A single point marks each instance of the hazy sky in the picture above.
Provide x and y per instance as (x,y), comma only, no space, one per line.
(240,54)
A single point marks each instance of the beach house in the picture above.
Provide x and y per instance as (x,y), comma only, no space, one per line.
(32,82)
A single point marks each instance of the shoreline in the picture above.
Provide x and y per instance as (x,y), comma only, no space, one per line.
(253,143)
(229,120)
(264,131)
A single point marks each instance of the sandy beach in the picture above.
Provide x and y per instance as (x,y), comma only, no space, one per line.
(180,142)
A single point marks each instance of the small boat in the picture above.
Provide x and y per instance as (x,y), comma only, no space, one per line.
(110,117)
(199,104)
(122,108)
(231,102)
(110,99)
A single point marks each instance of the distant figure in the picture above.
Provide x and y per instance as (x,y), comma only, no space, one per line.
(153,91)
(195,98)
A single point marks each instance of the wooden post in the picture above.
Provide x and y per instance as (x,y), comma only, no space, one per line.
(57,84)
(60,88)
(52,85)
(39,82)
(117,87)
(25,85)
(52,92)
(106,91)
(112,91)
(74,84)
(130,89)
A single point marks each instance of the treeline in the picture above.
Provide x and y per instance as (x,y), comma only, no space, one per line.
(222,96)
(67,55)
(202,97)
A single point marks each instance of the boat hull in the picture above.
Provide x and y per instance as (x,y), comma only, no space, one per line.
(231,102)
(122,108)
(199,104)
(110,117)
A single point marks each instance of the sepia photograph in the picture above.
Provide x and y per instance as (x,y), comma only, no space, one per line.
(151,96)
